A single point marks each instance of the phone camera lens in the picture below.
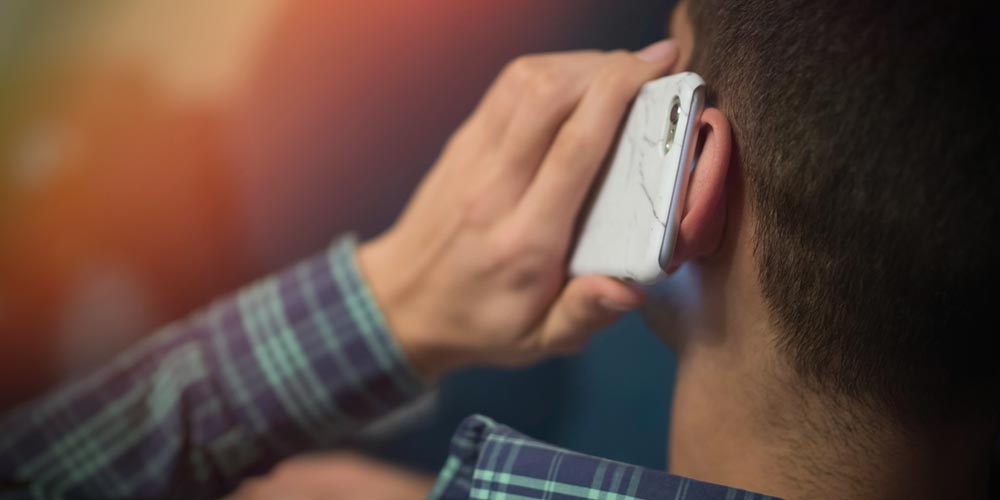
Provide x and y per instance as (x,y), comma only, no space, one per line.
(674,116)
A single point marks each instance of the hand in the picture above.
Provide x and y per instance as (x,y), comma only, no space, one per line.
(474,271)
(336,476)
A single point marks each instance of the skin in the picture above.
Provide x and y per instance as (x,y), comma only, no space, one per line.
(336,476)
(483,282)
(469,275)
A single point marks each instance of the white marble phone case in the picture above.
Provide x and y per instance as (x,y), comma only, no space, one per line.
(632,218)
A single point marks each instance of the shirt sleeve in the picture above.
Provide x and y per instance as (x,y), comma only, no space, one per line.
(292,362)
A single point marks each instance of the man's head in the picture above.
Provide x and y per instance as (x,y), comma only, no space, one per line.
(864,136)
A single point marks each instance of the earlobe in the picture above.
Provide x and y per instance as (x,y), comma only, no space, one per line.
(704,216)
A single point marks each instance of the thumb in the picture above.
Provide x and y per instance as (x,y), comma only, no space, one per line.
(586,304)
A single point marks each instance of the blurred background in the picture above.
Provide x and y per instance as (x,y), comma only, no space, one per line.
(155,154)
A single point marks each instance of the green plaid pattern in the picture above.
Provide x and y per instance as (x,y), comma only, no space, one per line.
(489,461)
(292,362)
(289,363)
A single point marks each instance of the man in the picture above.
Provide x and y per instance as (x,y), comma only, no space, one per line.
(838,234)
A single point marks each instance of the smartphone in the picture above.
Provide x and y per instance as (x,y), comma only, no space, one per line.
(629,225)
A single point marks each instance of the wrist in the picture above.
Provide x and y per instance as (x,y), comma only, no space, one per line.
(401,299)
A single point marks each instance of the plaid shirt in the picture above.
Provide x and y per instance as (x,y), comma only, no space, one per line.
(290,363)
(493,461)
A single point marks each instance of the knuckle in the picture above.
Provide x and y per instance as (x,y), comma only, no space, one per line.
(518,254)
(544,87)
(475,210)
(508,251)
(499,255)
(532,78)
(519,71)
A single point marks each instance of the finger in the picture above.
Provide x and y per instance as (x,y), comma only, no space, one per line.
(582,142)
(500,101)
(587,304)
(518,119)
(549,88)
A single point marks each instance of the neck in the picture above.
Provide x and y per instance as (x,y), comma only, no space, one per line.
(739,418)
(731,426)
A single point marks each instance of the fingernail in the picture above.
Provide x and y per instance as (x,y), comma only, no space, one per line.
(659,51)
(612,305)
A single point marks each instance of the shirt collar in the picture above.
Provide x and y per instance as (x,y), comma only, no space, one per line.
(489,460)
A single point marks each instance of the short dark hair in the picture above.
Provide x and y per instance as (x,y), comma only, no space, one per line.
(867,133)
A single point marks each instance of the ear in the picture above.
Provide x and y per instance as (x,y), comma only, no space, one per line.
(704,218)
